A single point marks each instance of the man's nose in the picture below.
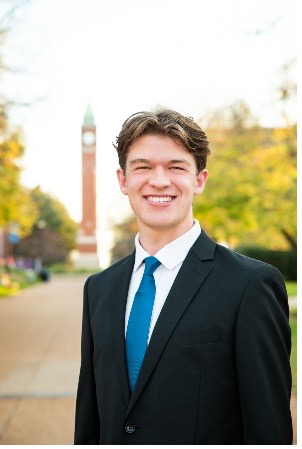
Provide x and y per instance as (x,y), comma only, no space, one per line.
(159,178)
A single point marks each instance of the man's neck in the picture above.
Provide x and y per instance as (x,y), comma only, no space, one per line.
(153,240)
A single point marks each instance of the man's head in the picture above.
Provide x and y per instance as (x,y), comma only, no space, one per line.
(162,159)
(166,123)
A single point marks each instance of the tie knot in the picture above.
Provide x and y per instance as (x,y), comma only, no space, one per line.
(151,263)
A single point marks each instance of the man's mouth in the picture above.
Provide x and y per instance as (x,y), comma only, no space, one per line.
(160,199)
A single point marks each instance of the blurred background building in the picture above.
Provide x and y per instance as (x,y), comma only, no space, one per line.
(87,247)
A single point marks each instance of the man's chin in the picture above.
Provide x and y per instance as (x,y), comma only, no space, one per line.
(158,224)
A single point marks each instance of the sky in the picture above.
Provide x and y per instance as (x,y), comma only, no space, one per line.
(124,56)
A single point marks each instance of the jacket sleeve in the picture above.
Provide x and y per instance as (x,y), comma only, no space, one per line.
(87,419)
(263,345)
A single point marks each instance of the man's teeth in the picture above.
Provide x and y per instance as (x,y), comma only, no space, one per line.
(160,199)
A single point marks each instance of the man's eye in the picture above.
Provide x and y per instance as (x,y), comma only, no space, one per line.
(177,168)
(142,167)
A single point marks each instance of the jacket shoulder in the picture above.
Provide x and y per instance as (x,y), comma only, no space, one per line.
(207,249)
(242,260)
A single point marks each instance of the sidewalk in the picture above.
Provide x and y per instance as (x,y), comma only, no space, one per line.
(39,362)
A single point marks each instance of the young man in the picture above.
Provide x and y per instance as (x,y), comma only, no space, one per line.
(211,363)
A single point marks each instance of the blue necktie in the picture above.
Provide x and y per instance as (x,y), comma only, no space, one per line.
(139,321)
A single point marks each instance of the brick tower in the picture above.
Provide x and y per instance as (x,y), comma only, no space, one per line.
(87,241)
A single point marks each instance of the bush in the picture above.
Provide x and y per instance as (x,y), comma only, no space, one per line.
(13,279)
(285,261)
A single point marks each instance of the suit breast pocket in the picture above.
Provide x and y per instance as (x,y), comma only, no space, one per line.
(201,337)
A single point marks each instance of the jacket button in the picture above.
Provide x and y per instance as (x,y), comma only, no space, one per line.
(130,427)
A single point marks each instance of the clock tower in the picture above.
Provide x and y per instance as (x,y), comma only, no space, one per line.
(87,241)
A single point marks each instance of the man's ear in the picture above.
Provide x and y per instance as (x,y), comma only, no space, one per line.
(122,181)
(201,180)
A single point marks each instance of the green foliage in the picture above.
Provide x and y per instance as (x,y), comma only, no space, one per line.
(124,234)
(56,218)
(16,206)
(15,203)
(291,288)
(29,209)
(13,280)
(285,261)
(54,233)
(251,193)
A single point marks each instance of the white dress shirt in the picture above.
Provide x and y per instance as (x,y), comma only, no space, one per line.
(171,258)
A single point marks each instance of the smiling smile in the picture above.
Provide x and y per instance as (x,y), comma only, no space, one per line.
(160,199)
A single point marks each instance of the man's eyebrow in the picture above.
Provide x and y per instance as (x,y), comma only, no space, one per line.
(139,161)
(147,161)
(180,161)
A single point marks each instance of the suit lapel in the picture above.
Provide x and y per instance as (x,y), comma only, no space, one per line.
(189,279)
(117,317)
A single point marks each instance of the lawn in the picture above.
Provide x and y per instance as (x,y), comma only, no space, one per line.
(292,291)
(291,288)
(293,357)
(12,281)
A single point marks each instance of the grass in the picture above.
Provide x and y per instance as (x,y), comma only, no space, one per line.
(12,281)
(293,357)
(9,291)
(291,287)
(292,291)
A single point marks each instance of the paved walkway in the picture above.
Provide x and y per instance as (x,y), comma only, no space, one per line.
(39,362)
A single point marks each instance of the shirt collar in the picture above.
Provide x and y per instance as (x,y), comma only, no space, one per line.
(171,254)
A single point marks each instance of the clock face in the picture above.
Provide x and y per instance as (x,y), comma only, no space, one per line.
(88,138)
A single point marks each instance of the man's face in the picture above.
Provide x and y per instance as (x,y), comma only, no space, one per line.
(160,179)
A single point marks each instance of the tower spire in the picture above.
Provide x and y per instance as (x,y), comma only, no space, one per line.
(88,117)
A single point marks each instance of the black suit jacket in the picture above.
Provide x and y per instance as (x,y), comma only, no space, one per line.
(216,370)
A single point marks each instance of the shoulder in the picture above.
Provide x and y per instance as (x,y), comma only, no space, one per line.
(242,262)
(245,281)
(228,264)
(261,282)
(207,249)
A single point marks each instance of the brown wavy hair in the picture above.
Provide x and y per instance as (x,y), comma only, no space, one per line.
(167,123)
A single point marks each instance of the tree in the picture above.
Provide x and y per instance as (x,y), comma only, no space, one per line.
(124,238)
(15,203)
(54,232)
(251,192)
